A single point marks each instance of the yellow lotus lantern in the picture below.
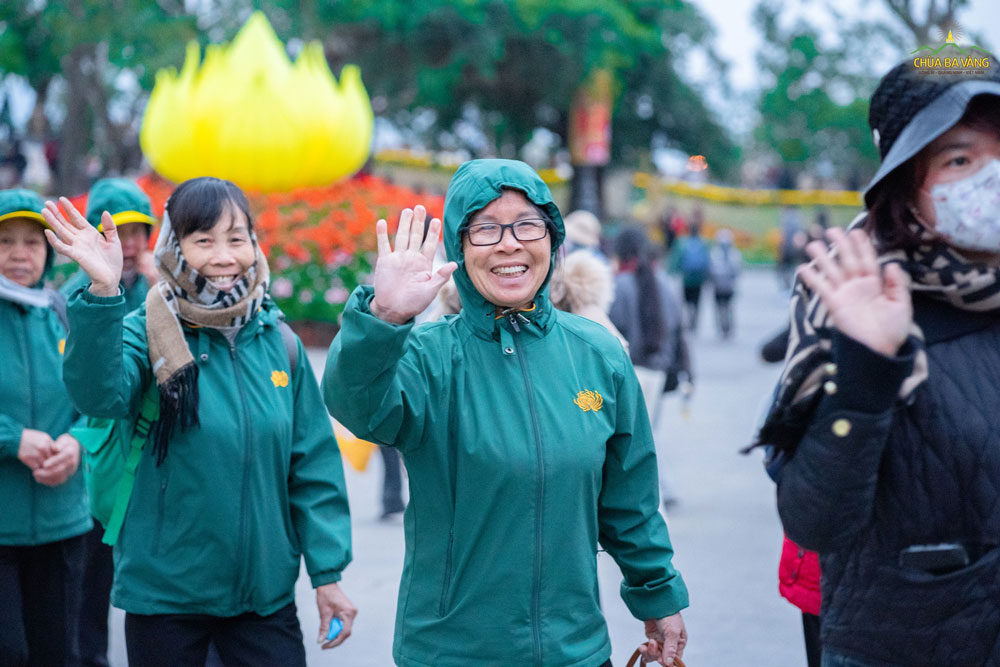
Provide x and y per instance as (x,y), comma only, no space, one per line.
(249,115)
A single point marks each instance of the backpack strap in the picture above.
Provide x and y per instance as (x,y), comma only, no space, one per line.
(148,413)
(291,344)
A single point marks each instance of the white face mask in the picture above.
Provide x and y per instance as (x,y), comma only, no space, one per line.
(968,210)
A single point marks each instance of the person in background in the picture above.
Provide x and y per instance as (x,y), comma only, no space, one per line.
(725,262)
(792,246)
(649,316)
(887,415)
(583,232)
(45,510)
(691,259)
(132,214)
(241,477)
(525,438)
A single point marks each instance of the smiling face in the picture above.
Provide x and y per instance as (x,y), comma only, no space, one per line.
(22,251)
(222,253)
(509,273)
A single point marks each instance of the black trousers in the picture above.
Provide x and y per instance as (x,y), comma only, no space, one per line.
(98,574)
(40,603)
(247,640)
(814,648)
(392,481)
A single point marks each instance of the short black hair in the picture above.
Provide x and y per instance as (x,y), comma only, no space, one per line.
(197,204)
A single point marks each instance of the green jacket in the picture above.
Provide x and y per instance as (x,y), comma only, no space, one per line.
(32,396)
(219,527)
(135,295)
(525,449)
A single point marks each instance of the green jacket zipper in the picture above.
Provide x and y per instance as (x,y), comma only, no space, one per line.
(242,543)
(540,499)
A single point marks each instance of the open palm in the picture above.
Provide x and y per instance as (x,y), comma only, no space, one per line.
(865,304)
(98,254)
(405,281)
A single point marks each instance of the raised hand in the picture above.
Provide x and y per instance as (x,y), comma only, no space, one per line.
(98,254)
(868,304)
(405,281)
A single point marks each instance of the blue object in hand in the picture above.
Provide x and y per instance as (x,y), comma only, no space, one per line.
(336,625)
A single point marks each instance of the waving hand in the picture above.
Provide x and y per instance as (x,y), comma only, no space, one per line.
(405,281)
(98,254)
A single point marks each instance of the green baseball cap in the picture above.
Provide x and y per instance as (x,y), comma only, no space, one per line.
(122,198)
(21,203)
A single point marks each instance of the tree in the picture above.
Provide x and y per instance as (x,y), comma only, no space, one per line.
(519,62)
(88,46)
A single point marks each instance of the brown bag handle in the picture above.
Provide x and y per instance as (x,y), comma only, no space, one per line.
(635,659)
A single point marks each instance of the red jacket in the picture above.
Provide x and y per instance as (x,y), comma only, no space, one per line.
(798,577)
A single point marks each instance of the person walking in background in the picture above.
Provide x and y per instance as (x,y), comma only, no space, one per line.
(525,439)
(886,415)
(45,510)
(583,232)
(792,245)
(724,269)
(692,260)
(241,477)
(648,314)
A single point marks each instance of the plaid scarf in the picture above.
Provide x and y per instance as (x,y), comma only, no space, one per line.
(935,269)
(184,295)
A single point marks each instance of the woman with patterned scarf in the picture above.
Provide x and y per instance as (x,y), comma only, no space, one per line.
(887,414)
(242,475)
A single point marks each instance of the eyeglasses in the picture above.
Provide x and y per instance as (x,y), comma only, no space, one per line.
(490,233)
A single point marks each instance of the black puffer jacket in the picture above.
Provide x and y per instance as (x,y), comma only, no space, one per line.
(872,477)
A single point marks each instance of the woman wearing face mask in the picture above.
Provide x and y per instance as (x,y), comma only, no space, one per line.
(45,512)
(887,415)
(241,474)
(524,434)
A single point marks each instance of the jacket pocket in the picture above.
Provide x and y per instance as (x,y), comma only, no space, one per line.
(446,586)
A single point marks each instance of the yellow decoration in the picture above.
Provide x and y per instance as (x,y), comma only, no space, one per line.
(355,451)
(751,197)
(589,400)
(62,346)
(279,378)
(247,114)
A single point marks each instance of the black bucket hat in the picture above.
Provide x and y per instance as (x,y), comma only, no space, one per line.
(911,108)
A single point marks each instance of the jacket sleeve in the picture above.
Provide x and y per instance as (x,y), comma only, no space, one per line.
(106,364)
(826,491)
(10,437)
(375,382)
(316,487)
(631,528)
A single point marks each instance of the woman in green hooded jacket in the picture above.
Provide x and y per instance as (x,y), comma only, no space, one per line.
(524,434)
(45,511)
(241,477)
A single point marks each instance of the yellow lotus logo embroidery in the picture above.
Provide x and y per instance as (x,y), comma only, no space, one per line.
(279,378)
(589,400)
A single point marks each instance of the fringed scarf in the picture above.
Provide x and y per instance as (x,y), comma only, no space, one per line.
(935,268)
(184,295)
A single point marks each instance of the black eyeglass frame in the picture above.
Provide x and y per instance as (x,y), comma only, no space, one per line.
(504,227)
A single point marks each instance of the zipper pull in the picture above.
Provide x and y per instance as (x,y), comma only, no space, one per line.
(512,317)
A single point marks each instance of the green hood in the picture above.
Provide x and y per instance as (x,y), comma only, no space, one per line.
(474,185)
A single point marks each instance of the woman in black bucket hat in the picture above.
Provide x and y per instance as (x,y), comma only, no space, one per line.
(886,422)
